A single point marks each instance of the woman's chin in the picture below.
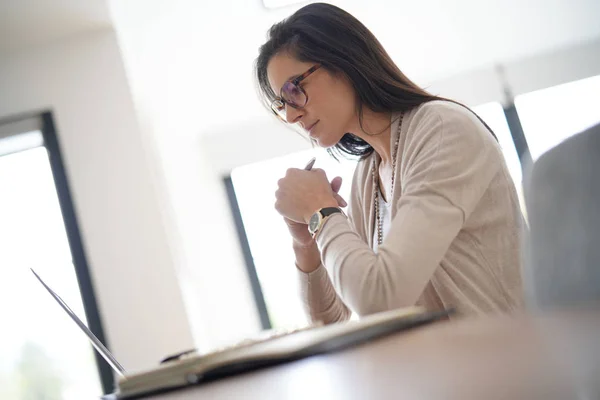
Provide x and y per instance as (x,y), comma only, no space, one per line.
(324,143)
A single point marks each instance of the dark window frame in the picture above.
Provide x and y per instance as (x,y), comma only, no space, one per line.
(67,207)
(259,298)
(516,131)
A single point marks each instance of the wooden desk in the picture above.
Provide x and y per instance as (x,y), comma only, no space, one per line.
(547,357)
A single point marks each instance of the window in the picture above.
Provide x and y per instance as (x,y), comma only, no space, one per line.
(552,115)
(42,352)
(493,115)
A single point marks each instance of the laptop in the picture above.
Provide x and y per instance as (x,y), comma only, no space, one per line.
(104,352)
(190,367)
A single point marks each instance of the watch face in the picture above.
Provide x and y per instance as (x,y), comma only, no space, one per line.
(313,223)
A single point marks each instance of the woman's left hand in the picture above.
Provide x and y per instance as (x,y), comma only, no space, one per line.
(301,193)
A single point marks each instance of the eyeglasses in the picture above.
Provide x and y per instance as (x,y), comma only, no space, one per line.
(292,94)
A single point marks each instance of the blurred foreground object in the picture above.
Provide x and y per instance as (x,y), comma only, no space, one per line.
(562,195)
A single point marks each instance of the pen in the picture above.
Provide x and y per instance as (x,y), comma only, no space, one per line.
(310,164)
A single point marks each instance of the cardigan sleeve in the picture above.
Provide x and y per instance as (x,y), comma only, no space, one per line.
(321,300)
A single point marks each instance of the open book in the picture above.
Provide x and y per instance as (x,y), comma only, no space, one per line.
(252,355)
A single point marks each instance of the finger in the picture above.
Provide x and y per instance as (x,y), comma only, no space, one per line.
(291,171)
(319,171)
(336,184)
(340,200)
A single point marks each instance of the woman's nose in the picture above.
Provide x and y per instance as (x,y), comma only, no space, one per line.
(293,115)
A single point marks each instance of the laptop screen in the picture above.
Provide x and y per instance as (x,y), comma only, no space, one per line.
(104,352)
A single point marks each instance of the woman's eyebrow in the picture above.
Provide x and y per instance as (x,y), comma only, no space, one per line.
(292,77)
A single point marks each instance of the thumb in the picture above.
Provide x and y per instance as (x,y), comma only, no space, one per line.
(340,200)
(336,184)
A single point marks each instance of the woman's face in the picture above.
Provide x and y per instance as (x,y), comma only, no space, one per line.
(331,108)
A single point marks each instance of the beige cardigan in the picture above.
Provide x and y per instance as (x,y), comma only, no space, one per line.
(455,238)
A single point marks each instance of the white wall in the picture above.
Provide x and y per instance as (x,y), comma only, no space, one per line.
(527,74)
(117,203)
(172,64)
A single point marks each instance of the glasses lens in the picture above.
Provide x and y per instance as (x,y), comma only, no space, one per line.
(293,95)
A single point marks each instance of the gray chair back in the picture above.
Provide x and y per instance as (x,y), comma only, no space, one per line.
(562,195)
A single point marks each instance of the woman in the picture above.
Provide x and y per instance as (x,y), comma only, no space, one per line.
(433,217)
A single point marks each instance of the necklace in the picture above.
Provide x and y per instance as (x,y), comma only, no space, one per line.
(376,184)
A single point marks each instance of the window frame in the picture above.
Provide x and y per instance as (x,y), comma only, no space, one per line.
(73,232)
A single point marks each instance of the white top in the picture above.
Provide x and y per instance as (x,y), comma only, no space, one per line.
(385,212)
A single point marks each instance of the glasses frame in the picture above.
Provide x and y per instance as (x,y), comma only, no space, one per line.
(279,102)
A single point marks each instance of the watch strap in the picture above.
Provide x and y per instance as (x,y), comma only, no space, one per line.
(327,211)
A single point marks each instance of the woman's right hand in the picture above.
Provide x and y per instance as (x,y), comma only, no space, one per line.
(299,231)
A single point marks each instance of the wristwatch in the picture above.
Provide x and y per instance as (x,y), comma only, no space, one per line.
(317,219)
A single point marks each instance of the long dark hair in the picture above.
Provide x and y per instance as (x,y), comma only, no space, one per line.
(327,35)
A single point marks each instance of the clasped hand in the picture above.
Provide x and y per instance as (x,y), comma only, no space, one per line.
(301,193)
